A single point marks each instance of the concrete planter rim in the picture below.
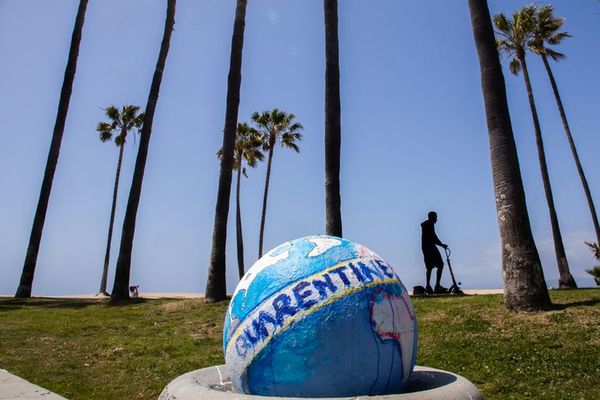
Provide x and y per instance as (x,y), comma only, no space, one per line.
(425,383)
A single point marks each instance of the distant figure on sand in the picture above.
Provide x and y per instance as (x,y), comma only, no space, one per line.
(431,254)
(133,291)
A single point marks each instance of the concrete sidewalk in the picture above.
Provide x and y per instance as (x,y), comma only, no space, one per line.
(14,388)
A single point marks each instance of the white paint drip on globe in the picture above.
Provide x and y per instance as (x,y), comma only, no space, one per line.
(322,245)
(264,262)
(268,260)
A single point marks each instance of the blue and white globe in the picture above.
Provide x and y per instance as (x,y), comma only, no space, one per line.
(320,316)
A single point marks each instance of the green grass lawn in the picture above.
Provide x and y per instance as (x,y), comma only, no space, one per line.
(91,350)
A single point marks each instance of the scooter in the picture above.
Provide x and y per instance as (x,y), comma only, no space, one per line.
(454,289)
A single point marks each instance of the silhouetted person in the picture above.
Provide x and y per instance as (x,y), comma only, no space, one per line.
(431,254)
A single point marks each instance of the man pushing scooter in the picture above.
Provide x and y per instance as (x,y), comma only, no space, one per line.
(431,254)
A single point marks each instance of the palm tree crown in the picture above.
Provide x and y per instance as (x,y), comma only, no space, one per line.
(276,124)
(122,122)
(248,142)
(546,32)
(517,35)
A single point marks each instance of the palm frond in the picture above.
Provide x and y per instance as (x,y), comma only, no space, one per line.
(289,140)
(139,121)
(595,248)
(104,127)
(595,271)
(501,23)
(105,136)
(112,112)
(249,142)
(558,38)
(292,146)
(555,55)
(131,118)
(243,129)
(105,131)
(297,126)
(505,46)
(252,157)
(514,66)
(120,140)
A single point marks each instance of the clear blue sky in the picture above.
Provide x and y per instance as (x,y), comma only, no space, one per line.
(414,137)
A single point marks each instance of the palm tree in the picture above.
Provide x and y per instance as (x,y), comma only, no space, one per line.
(333,213)
(216,289)
(514,37)
(122,122)
(274,125)
(26,281)
(546,33)
(121,284)
(524,285)
(247,148)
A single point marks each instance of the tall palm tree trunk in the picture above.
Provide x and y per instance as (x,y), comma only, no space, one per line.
(238,220)
(112,221)
(563,116)
(216,288)
(265,196)
(524,285)
(333,213)
(121,284)
(26,282)
(566,279)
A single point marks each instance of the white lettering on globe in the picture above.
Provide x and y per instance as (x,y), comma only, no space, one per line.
(277,312)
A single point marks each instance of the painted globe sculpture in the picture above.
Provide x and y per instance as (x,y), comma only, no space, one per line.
(320,316)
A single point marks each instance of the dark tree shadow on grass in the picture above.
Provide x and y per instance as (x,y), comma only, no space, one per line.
(12,304)
(585,303)
(125,303)
(19,304)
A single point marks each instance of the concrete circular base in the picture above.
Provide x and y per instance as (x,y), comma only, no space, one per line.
(213,383)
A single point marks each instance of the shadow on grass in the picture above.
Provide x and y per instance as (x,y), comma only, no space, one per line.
(438,295)
(586,303)
(125,303)
(13,304)
(19,304)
